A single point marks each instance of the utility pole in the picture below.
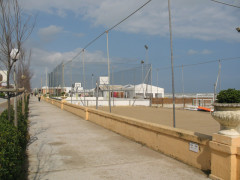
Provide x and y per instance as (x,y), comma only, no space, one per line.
(183,88)
(83,78)
(215,85)
(97,86)
(41,84)
(63,77)
(46,82)
(173,89)
(142,62)
(157,82)
(109,95)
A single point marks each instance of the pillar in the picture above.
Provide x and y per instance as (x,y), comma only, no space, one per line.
(225,157)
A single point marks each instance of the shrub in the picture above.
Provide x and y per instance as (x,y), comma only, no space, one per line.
(10,151)
(13,142)
(2,95)
(229,96)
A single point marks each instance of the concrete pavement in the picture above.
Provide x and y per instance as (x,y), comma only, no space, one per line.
(64,146)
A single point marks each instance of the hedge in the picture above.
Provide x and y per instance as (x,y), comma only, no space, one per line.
(13,142)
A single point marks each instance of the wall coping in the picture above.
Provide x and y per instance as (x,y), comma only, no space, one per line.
(175,132)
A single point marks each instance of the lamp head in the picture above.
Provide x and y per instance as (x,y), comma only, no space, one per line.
(15,54)
(238,29)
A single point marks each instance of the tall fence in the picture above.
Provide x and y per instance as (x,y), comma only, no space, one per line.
(65,75)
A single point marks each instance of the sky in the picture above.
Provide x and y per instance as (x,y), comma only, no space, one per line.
(202,31)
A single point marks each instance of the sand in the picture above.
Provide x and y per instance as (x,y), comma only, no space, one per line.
(197,121)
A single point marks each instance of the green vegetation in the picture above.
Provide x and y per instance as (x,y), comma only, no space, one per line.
(229,96)
(13,142)
(2,95)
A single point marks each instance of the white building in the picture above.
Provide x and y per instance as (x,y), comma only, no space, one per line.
(143,90)
(3,78)
(131,91)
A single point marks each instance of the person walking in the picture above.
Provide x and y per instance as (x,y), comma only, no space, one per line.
(39,97)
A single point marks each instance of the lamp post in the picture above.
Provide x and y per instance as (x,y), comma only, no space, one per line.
(142,62)
(15,56)
(146,47)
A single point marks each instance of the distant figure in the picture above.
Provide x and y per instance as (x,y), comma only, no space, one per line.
(39,97)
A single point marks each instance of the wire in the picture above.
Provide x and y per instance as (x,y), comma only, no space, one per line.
(225,3)
(206,62)
(128,16)
(100,35)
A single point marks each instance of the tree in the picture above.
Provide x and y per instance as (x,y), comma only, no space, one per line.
(15,28)
(24,74)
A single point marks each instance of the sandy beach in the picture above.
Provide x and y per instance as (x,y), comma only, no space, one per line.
(197,121)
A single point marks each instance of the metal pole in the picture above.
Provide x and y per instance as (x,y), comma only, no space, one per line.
(109,95)
(215,85)
(151,83)
(57,81)
(97,86)
(173,89)
(157,83)
(63,77)
(183,88)
(92,81)
(71,83)
(46,82)
(15,98)
(142,77)
(83,79)
(41,84)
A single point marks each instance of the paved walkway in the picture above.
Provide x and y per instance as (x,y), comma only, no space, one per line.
(64,146)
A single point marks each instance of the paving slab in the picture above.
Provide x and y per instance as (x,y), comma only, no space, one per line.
(65,146)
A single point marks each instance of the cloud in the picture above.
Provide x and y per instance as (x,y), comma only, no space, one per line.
(203,52)
(79,35)
(190,19)
(192,52)
(50,32)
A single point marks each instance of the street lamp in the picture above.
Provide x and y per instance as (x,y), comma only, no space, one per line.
(238,29)
(146,47)
(142,62)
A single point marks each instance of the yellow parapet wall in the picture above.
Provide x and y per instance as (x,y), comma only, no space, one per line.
(218,153)
(170,141)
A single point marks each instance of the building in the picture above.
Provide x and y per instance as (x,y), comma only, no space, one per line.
(143,90)
(130,91)
(3,78)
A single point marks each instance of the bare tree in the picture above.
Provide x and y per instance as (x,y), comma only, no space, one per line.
(15,28)
(24,74)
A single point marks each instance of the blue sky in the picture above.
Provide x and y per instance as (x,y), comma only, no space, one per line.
(202,31)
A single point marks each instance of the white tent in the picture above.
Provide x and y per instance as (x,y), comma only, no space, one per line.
(143,90)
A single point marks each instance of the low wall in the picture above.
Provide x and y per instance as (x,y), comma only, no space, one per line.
(170,141)
(114,102)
